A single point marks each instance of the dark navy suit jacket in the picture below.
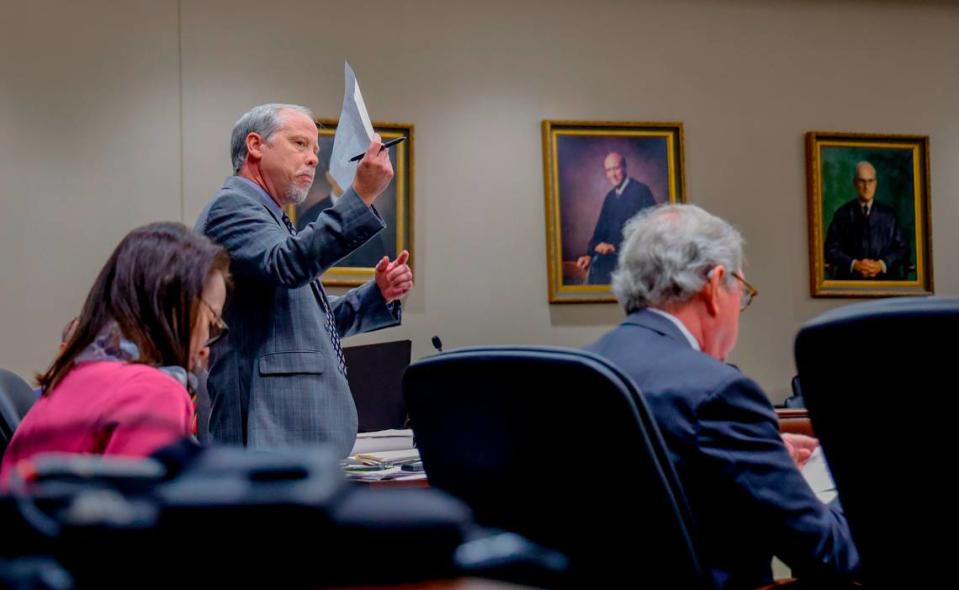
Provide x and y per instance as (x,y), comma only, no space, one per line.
(748,499)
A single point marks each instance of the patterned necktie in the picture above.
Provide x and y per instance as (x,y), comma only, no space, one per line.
(325,304)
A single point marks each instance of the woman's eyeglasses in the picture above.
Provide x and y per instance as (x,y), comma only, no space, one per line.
(218,329)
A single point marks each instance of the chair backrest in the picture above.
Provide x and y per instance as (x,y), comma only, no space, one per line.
(879,383)
(16,397)
(375,372)
(796,399)
(557,445)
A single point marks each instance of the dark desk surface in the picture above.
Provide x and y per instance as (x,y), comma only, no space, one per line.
(395,483)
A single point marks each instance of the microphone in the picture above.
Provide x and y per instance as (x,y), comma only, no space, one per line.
(437,343)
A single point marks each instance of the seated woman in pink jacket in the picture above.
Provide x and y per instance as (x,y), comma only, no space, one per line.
(122,384)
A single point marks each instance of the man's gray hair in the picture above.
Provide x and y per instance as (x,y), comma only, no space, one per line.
(263,120)
(668,252)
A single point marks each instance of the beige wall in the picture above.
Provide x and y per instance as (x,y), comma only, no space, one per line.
(118,113)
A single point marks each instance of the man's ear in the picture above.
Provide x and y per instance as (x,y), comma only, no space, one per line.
(710,291)
(254,145)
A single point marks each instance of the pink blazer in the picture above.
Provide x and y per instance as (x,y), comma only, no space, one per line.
(105,408)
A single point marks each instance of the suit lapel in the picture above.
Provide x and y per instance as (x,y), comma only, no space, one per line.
(242,186)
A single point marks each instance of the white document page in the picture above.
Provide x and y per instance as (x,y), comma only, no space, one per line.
(353,132)
(816,473)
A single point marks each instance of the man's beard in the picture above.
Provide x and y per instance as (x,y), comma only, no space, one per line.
(296,194)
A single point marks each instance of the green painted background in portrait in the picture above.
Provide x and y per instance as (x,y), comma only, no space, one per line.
(895,186)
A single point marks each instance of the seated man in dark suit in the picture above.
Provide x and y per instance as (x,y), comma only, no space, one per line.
(864,240)
(624,199)
(680,279)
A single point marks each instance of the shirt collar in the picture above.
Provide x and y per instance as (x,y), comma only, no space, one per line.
(619,189)
(682,327)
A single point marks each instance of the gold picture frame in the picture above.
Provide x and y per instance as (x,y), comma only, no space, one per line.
(589,197)
(885,248)
(395,205)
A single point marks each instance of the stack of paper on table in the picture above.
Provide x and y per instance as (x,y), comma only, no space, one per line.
(382,465)
(388,458)
(379,456)
(383,474)
(383,440)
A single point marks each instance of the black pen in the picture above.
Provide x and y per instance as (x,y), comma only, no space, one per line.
(390,143)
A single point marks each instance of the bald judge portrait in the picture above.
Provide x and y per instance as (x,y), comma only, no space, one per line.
(864,240)
(627,197)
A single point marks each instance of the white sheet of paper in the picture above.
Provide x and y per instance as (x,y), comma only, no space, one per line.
(382,440)
(394,456)
(385,474)
(816,473)
(386,433)
(353,132)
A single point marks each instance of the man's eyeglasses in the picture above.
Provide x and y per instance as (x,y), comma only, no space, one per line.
(748,294)
(218,329)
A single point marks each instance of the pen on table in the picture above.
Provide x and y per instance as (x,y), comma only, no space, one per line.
(390,143)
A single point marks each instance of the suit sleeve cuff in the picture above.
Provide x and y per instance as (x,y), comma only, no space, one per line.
(394,308)
(360,221)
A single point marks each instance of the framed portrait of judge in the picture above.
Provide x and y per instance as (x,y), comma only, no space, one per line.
(597,175)
(395,205)
(870,232)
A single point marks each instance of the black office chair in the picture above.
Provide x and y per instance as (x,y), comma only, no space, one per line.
(557,445)
(795,401)
(16,397)
(879,382)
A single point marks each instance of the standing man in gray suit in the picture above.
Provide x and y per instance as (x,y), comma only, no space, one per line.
(279,378)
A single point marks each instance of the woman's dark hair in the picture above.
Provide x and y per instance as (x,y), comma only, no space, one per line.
(151,286)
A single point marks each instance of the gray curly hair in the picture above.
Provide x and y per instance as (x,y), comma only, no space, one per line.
(668,252)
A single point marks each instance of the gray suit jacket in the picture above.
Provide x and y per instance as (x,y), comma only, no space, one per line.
(274,379)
